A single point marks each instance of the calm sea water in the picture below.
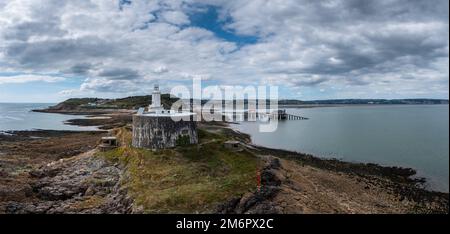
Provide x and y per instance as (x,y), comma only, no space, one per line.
(415,136)
(15,116)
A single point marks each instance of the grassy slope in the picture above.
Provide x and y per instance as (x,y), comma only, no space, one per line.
(142,101)
(187,179)
(73,103)
(132,102)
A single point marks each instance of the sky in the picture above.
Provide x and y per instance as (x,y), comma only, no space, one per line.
(53,50)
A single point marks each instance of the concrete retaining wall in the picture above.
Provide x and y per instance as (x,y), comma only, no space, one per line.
(158,132)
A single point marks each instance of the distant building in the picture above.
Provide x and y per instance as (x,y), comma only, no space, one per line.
(159,128)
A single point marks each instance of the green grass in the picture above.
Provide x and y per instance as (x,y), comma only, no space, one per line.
(183,141)
(188,179)
(90,203)
(132,102)
(73,103)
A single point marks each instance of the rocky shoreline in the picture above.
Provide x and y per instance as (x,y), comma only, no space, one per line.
(57,172)
(394,181)
(81,184)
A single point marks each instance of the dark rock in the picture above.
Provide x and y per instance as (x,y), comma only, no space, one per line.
(273,163)
(44,172)
(69,186)
(230,206)
(265,193)
(258,202)
(13,207)
(269,178)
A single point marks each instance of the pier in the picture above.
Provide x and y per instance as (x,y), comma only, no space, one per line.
(252,115)
(283,115)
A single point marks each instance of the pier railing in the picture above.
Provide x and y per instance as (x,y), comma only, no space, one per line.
(283,115)
(252,115)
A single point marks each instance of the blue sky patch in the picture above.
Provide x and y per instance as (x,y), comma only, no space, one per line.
(123,2)
(209,20)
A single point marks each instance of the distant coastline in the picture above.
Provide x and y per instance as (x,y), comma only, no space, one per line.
(349,104)
(411,101)
(94,106)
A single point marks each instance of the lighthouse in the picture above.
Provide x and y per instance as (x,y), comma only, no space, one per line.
(159,128)
(155,106)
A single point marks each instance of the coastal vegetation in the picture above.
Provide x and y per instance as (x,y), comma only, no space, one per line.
(188,178)
(135,102)
(83,105)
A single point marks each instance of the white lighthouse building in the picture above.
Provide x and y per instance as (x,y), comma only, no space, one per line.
(156,107)
(159,128)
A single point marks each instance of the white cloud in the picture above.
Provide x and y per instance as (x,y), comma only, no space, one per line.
(161,69)
(353,45)
(175,17)
(18,79)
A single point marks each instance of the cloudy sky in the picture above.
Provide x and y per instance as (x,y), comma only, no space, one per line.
(51,49)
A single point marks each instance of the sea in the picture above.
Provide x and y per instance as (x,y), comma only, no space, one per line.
(415,136)
(19,116)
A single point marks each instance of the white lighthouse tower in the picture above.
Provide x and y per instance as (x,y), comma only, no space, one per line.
(156,101)
(158,128)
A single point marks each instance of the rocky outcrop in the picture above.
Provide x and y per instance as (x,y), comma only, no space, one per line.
(82,184)
(258,202)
